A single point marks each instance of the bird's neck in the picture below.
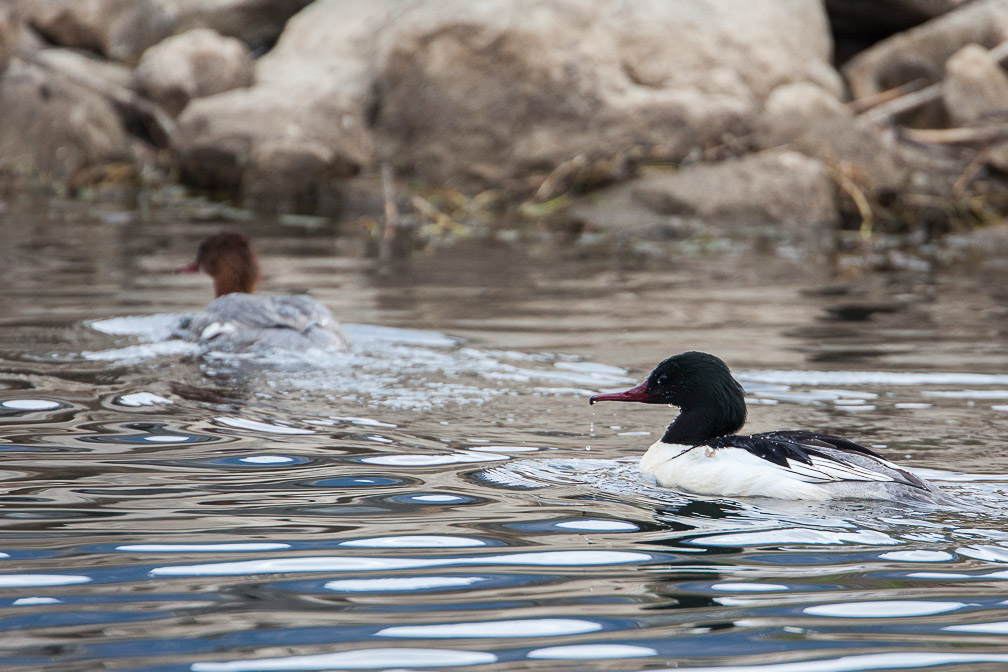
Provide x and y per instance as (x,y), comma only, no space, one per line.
(697,424)
(231,278)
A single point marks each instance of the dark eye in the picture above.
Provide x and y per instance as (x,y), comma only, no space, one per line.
(662,379)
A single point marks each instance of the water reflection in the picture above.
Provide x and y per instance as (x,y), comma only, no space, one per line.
(366,659)
(367,564)
(443,497)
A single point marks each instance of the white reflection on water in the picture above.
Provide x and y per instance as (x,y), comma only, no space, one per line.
(812,396)
(509,449)
(256,426)
(145,327)
(138,399)
(532,627)
(364,422)
(953,576)
(998,628)
(595,525)
(879,378)
(415,541)
(362,564)
(883,609)
(137,353)
(266,459)
(361,659)
(30,404)
(31,601)
(431,460)
(918,556)
(401,584)
(592,652)
(796,535)
(165,438)
(438,499)
(749,587)
(32,580)
(985,552)
(879,661)
(966,394)
(202,548)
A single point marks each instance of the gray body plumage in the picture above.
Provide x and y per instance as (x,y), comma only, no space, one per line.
(241,321)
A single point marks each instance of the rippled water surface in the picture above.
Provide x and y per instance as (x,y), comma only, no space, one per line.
(443,497)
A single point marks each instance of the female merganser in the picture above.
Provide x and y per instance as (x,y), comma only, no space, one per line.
(237,319)
(700,452)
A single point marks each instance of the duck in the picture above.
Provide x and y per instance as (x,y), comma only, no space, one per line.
(238,319)
(701,452)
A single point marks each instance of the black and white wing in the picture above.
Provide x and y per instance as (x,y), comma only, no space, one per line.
(820,458)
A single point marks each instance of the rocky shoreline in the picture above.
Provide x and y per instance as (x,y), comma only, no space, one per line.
(878,116)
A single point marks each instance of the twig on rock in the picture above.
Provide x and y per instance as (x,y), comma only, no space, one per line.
(904,103)
(909,101)
(391,213)
(867,103)
(955,136)
(856,194)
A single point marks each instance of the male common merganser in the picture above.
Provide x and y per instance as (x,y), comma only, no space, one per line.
(700,452)
(237,319)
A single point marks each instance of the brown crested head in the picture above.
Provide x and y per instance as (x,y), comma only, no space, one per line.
(228,258)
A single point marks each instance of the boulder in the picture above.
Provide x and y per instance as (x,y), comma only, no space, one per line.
(123,29)
(258,142)
(781,189)
(117,29)
(54,126)
(308,108)
(921,52)
(792,109)
(772,187)
(491,91)
(975,86)
(617,213)
(193,64)
(499,89)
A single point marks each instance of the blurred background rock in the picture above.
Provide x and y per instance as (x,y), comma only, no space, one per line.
(634,118)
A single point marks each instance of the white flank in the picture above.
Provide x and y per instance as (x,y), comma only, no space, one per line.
(737,472)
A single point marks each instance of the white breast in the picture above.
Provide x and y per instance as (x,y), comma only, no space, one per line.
(730,472)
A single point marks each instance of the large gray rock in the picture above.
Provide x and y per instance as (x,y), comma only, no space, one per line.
(55,127)
(259,142)
(123,29)
(190,65)
(975,86)
(768,187)
(790,110)
(117,29)
(303,126)
(498,89)
(920,53)
(783,190)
